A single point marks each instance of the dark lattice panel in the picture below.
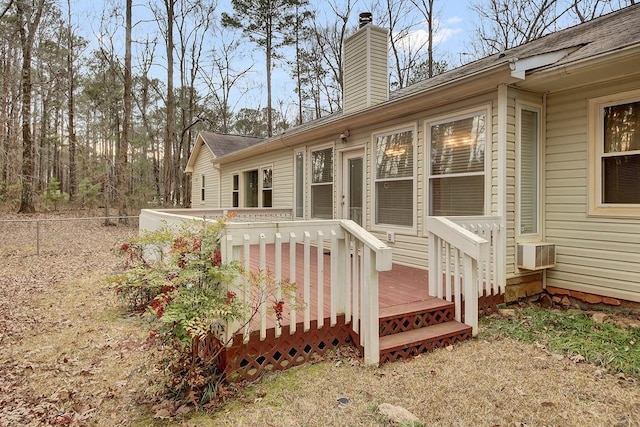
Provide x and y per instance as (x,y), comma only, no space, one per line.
(424,346)
(488,304)
(248,361)
(412,321)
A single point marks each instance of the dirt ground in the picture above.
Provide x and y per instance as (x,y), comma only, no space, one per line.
(70,356)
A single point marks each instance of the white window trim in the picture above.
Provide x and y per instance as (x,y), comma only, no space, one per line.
(203,187)
(260,186)
(413,127)
(596,148)
(302,151)
(488,150)
(309,178)
(538,109)
(239,190)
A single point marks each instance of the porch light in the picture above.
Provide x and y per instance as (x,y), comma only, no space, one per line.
(344,135)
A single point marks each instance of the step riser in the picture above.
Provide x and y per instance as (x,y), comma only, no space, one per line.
(414,349)
(411,321)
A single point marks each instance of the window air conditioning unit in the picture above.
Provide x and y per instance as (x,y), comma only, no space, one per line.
(536,256)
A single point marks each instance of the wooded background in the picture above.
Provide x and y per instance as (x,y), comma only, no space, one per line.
(91,122)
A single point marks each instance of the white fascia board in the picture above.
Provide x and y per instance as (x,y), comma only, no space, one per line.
(519,67)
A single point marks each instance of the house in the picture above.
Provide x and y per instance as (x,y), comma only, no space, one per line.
(544,136)
(513,172)
(205,176)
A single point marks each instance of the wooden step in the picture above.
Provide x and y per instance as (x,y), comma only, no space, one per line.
(416,341)
(414,307)
(414,315)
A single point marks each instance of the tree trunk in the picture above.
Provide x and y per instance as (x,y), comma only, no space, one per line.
(73,181)
(123,142)
(170,130)
(27,29)
(269,41)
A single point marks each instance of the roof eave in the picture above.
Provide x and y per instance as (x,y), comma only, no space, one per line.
(585,71)
(465,86)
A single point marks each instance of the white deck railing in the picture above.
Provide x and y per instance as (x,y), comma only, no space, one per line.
(356,259)
(491,269)
(153,219)
(463,262)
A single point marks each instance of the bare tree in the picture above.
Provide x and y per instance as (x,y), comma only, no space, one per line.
(123,141)
(193,21)
(405,48)
(268,24)
(505,24)
(71,85)
(28,15)
(586,10)
(224,79)
(328,41)
(426,9)
(166,22)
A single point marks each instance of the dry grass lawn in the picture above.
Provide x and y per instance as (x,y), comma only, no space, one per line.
(70,356)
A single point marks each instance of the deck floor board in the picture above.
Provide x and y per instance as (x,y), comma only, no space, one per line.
(401,285)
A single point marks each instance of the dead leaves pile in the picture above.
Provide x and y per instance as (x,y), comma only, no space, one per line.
(68,356)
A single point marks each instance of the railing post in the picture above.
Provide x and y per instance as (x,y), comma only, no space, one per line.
(433,278)
(338,256)
(470,267)
(307,280)
(227,255)
(370,315)
(320,278)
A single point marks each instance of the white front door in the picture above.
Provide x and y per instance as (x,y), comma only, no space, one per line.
(352,198)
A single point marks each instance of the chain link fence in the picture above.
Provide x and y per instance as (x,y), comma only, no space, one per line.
(56,236)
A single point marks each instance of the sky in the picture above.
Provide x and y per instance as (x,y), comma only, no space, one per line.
(454,30)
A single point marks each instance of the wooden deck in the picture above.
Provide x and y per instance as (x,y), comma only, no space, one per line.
(400,285)
(410,320)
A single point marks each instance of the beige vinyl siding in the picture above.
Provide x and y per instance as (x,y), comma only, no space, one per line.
(203,166)
(366,81)
(595,254)
(281,162)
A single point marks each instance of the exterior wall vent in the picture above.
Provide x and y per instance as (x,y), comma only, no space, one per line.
(536,256)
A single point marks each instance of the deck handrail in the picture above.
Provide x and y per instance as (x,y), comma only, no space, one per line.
(454,256)
(152,218)
(356,259)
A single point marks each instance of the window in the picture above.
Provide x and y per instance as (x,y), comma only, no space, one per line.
(528,169)
(202,188)
(322,183)
(299,183)
(457,170)
(394,178)
(615,145)
(250,179)
(235,194)
(267,186)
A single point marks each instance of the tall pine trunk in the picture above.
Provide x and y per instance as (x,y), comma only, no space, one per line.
(27,29)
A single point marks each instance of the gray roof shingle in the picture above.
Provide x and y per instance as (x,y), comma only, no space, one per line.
(222,144)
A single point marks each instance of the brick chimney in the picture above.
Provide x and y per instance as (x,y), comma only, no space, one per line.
(366,79)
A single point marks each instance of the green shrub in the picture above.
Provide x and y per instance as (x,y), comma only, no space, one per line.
(178,277)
